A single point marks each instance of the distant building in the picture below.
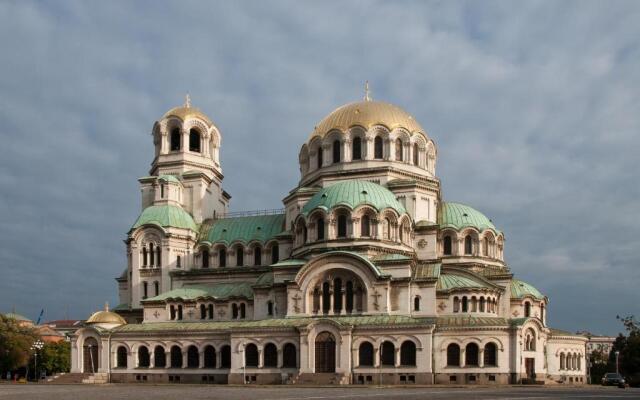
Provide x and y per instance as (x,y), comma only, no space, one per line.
(602,344)
(21,320)
(64,326)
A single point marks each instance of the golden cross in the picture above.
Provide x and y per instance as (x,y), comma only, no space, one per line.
(367,92)
(187,101)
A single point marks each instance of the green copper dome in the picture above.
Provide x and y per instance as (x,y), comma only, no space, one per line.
(459,216)
(521,289)
(166,216)
(353,194)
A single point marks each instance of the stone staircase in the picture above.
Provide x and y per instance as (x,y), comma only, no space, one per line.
(67,378)
(98,377)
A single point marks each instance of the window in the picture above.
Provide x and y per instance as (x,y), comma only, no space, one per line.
(269,307)
(162,191)
(456,304)
(203,311)
(453,355)
(320,228)
(388,354)
(377,148)
(193,357)
(243,308)
(234,311)
(563,364)
(275,254)
(481,304)
(319,157)
(239,257)
(121,357)
(398,150)
(156,286)
(356,149)
(151,255)
(542,312)
(270,355)
(176,357)
(205,258)
(408,353)
(257,256)
(180,312)
(336,151)
(416,303)
(209,357)
(304,234)
(465,304)
(172,311)
(194,141)
(222,257)
(342,226)
(144,256)
(387,225)
(365,226)
(416,154)
(251,355)
(527,309)
(468,245)
(365,354)
(225,357)
(145,289)
(159,357)
(175,139)
(447,245)
(471,354)
(178,262)
(210,311)
(490,355)
(289,356)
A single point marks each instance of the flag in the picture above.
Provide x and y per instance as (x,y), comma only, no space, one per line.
(40,317)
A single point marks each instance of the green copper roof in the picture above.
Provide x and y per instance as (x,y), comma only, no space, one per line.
(166,216)
(459,216)
(426,271)
(465,321)
(17,317)
(219,291)
(452,281)
(169,178)
(521,289)
(245,229)
(353,194)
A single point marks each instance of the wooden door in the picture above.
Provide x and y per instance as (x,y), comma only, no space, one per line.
(90,355)
(530,367)
(325,353)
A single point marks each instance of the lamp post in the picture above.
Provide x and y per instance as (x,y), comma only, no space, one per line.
(37,345)
(617,357)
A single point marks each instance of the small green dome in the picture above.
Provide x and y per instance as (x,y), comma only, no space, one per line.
(521,289)
(454,281)
(17,317)
(169,178)
(353,194)
(459,216)
(166,216)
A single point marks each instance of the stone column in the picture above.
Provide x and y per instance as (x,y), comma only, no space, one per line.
(200,359)
(260,357)
(321,302)
(462,356)
(152,358)
(481,357)
(280,358)
(331,302)
(397,356)
(219,358)
(343,309)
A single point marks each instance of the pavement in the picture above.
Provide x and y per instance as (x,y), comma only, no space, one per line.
(224,392)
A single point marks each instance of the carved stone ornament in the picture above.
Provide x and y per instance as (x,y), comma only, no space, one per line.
(442,306)
(422,243)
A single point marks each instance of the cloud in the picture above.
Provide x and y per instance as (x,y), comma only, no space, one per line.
(533,108)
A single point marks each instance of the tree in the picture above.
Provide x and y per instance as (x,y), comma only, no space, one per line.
(629,348)
(55,357)
(15,344)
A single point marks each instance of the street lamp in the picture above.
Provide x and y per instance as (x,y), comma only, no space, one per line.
(617,357)
(37,345)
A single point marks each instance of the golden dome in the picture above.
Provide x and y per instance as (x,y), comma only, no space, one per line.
(185,113)
(106,317)
(366,114)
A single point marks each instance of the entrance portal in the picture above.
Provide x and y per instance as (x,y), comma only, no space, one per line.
(530,367)
(90,355)
(325,352)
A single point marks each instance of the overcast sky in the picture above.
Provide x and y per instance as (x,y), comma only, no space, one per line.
(534,107)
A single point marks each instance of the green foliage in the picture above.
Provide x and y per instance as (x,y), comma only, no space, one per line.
(629,348)
(55,357)
(15,344)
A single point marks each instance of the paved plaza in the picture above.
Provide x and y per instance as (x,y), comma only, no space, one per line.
(194,392)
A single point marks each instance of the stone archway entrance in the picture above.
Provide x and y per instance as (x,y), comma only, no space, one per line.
(325,353)
(90,355)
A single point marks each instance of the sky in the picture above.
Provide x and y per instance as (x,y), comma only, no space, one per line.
(534,108)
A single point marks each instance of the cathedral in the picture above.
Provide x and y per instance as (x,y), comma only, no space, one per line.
(365,276)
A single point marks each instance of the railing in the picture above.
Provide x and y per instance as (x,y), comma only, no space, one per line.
(252,213)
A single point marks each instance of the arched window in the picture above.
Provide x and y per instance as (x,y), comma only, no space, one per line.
(320,228)
(269,307)
(159,256)
(275,254)
(225,357)
(471,354)
(447,245)
(239,256)
(398,150)
(194,141)
(342,226)
(365,226)
(485,247)
(243,311)
(175,139)
(563,364)
(365,354)
(144,256)
(176,357)
(377,148)
(326,297)
(209,357)
(145,290)
(465,304)
(468,245)
(387,225)
(121,357)
(289,356)
(205,258)
(349,299)
(234,311)
(319,157)
(152,261)
(304,234)
(388,354)
(180,312)
(159,357)
(178,262)
(203,311)
(356,149)
(336,151)
(490,355)
(481,304)
(172,312)
(542,312)
(257,256)
(453,355)
(416,154)
(408,353)
(210,311)
(337,295)
(530,340)
(270,355)
(474,304)
(193,357)
(222,257)
(456,304)
(527,309)
(251,355)
(156,286)
(416,303)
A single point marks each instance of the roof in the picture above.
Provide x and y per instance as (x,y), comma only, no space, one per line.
(521,289)
(373,320)
(105,317)
(17,317)
(560,332)
(393,257)
(426,271)
(166,216)
(467,321)
(244,229)
(184,113)
(169,178)
(459,216)
(448,281)
(367,114)
(218,291)
(352,194)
